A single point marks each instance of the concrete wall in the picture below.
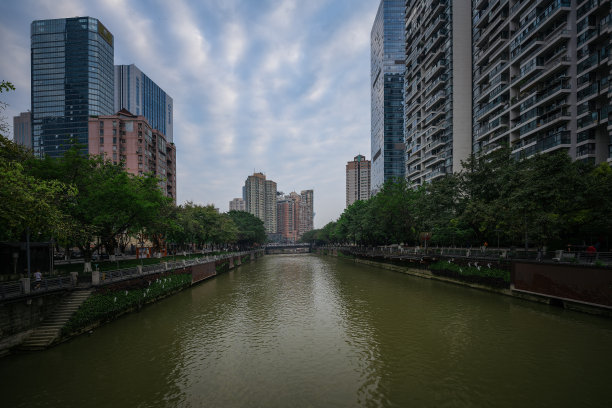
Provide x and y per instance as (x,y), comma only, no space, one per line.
(23,314)
(202,271)
(574,282)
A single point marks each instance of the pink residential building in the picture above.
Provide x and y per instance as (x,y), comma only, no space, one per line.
(129,138)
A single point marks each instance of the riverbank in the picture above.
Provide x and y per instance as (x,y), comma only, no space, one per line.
(511,291)
(111,299)
(126,297)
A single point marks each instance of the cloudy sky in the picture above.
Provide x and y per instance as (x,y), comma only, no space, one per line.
(277,86)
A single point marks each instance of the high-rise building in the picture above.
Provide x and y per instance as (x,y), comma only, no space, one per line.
(260,198)
(137,93)
(357,180)
(387,68)
(22,129)
(541,77)
(438,90)
(71,79)
(307,214)
(295,215)
(237,204)
(288,217)
(131,139)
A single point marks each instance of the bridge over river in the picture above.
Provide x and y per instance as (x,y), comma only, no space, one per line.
(288,248)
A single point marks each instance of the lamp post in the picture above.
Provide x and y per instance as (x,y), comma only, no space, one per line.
(498,231)
(28,249)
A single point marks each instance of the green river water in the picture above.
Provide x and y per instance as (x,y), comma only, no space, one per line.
(311,331)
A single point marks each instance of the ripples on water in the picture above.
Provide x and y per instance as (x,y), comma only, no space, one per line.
(310,331)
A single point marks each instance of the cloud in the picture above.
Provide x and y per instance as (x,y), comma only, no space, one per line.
(235,42)
(279,86)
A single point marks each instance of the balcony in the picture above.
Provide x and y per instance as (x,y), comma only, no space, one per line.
(532,25)
(490,127)
(544,121)
(433,70)
(441,80)
(438,96)
(547,143)
(589,120)
(435,173)
(432,116)
(498,102)
(538,97)
(550,67)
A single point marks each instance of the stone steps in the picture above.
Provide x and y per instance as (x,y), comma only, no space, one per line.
(49,330)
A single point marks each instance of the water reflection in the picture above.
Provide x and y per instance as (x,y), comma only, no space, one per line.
(320,331)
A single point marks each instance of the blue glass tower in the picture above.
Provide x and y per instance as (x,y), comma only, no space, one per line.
(137,93)
(72,79)
(387,55)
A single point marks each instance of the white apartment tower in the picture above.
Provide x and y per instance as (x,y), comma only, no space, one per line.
(260,198)
(357,180)
(437,88)
(541,77)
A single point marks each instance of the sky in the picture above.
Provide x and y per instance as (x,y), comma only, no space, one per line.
(273,86)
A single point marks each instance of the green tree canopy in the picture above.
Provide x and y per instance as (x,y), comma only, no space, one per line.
(250,229)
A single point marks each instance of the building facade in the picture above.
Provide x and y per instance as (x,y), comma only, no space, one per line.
(357,180)
(237,204)
(387,67)
(295,215)
(438,90)
(541,77)
(22,129)
(137,93)
(306,211)
(260,199)
(288,217)
(129,138)
(71,79)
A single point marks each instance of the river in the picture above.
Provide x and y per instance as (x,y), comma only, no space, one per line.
(312,331)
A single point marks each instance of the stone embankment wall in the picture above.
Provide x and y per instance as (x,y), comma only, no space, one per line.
(20,315)
(582,288)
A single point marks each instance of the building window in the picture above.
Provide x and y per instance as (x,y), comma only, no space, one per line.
(101,132)
(101,140)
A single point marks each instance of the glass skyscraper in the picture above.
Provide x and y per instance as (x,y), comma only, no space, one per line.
(137,93)
(387,81)
(72,79)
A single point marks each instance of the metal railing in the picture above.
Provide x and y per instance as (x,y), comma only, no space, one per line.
(107,277)
(16,289)
(559,256)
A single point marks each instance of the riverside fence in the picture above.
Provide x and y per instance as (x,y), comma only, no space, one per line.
(25,287)
(479,254)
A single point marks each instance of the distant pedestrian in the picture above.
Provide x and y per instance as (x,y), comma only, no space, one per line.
(37,279)
(591,250)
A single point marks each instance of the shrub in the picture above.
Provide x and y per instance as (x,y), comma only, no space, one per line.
(106,306)
(482,274)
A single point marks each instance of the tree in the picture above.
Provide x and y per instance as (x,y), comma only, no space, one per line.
(109,201)
(250,229)
(4,87)
(28,204)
